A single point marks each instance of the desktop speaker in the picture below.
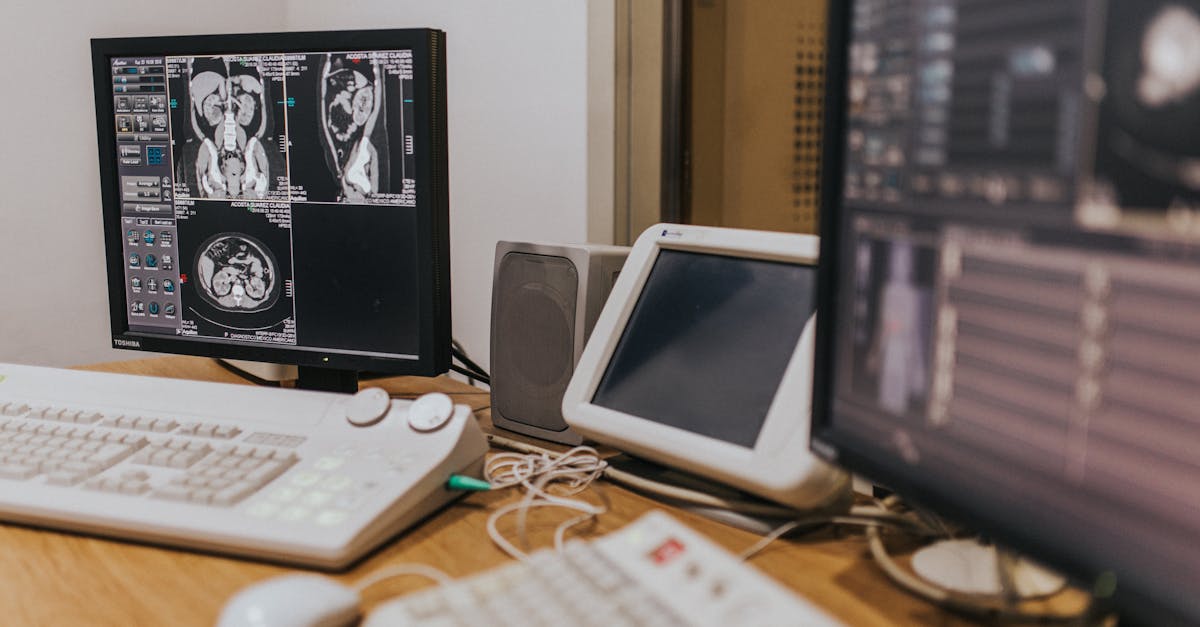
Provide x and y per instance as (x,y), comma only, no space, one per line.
(545,301)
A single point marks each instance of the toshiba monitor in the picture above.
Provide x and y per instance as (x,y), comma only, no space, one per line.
(278,197)
(1009,314)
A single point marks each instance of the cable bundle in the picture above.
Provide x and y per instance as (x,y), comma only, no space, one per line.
(571,473)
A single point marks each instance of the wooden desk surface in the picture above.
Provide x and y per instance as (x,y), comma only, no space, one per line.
(53,578)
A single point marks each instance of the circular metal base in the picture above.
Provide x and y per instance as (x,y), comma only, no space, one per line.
(972,568)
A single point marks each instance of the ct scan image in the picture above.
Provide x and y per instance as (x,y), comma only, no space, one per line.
(236,268)
(1146,173)
(351,101)
(893,323)
(235,272)
(347,124)
(227,122)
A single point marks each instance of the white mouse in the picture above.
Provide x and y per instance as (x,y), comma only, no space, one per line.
(292,600)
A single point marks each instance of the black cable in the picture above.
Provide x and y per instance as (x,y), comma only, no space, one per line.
(457,350)
(466,361)
(246,375)
(471,374)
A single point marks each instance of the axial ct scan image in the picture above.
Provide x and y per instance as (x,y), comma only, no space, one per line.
(225,109)
(236,273)
(235,262)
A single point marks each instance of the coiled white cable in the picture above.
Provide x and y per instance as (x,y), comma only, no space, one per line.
(572,472)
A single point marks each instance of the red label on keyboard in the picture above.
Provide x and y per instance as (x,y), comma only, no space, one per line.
(667,551)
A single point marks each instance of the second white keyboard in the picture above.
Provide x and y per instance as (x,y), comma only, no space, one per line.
(270,473)
(655,572)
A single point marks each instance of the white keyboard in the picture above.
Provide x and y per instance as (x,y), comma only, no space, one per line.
(654,572)
(269,473)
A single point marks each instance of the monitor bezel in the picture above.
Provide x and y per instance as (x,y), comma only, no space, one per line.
(779,466)
(836,447)
(428,49)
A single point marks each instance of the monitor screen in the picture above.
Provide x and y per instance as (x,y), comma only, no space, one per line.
(1008,325)
(277,196)
(706,345)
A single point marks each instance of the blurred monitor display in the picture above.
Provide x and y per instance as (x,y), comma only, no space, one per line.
(1010,297)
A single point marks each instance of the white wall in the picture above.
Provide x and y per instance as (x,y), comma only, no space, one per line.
(518,146)
(517,109)
(53,299)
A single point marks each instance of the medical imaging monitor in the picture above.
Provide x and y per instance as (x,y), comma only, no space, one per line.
(1009,316)
(278,197)
(702,360)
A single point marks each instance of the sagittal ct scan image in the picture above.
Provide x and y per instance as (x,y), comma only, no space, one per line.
(225,123)
(351,99)
(234,272)
(357,105)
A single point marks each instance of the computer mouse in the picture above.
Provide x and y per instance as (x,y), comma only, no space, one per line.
(391,614)
(292,601)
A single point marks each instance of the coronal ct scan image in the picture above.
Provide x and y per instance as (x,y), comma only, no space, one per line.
(234,272)
(226,112)
(347,128)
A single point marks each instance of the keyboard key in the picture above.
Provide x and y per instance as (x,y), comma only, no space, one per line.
(267,472)
(336,483)
(306,479)
(225,431)
(17,471)
(14,409)
(316,498)
(172,492)
(328,463)
(163,426)
(233,493)
(285,494)
(294,513)
(133,487)
(265,509)
(331,518)
(184,459)
(64,478)
(135,475)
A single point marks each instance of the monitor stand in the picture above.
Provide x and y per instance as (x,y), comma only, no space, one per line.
(261,372)
(306,377)
(971,567)
(327,379)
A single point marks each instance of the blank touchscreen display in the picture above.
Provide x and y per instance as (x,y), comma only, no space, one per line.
(707,343)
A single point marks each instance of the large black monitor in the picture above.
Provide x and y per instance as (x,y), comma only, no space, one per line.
(1010,282)
(278,197)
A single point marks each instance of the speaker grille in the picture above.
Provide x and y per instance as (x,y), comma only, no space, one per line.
(533,354)
(809,116)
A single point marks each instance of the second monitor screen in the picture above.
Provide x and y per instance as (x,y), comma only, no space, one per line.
(707,343)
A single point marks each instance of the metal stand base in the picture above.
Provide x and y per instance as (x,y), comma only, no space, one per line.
(972,568)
